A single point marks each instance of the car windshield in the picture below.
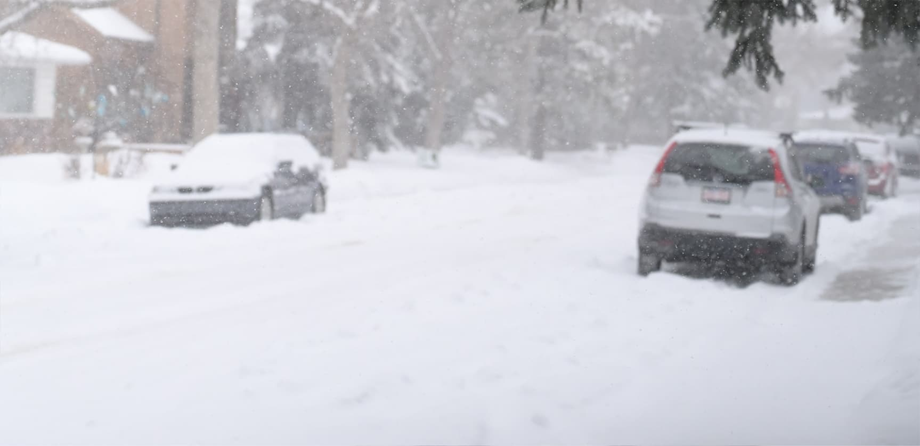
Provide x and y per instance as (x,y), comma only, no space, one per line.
(723,163)
(822,153)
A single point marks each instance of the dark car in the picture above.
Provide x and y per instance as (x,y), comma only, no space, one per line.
(241,178)
(836,172)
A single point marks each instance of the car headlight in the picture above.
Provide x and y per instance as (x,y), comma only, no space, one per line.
(162,189)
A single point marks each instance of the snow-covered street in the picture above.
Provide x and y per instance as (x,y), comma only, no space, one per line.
(492,301)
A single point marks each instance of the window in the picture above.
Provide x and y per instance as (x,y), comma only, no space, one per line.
(17,90)
(731,164)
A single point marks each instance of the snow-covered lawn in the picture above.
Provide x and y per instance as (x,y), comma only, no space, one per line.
(492,301)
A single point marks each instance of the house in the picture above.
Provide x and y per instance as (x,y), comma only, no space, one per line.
(28,86)
(138,82)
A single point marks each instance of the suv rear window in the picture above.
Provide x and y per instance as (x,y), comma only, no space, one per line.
(730,164)
(822,153)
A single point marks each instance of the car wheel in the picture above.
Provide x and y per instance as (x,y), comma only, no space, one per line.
(791,273)
(266,208)
(319,202)
(855,213)
(809,266)
(648,263)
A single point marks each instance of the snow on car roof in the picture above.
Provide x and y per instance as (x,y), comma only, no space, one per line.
(869,145)
(745,137)
(838,136)
(228,158)
(17,46)
(266,146)
(111,23)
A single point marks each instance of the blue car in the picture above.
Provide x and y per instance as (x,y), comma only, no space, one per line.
(836,172)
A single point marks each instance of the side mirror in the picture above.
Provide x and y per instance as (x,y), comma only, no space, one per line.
(173,166)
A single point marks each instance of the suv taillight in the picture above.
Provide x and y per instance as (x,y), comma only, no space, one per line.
(655,180)
(849,169)
(779,178)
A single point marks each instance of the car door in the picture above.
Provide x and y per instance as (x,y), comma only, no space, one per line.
(306,189)
(284,190)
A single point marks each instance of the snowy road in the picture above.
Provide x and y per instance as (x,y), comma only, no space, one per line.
(492,302)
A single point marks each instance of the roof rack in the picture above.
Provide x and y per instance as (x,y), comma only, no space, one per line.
(787,137)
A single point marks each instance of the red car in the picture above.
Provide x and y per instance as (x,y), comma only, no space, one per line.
(881,163)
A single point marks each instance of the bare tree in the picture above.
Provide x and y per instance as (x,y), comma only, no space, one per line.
(439,48)
(352,21)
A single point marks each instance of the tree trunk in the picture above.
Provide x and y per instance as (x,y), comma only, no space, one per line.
(436,113)
(526,97)
(206,95)
(341,115)
(442,62)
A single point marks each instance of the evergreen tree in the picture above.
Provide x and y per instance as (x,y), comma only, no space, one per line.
(751,21)
(885,86)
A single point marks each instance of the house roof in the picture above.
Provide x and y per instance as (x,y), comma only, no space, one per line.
(22,47)
(113,24)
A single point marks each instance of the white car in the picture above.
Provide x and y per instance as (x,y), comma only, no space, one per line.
(730,196)
(241,178)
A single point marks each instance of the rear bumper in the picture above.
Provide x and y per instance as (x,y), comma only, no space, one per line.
(677,245)
(203,213)
(877,185)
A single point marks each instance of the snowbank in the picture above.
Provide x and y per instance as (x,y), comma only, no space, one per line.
(492,301)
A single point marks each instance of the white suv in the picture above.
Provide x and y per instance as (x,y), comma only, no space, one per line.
(731,196)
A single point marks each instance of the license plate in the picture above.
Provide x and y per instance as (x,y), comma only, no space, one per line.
(717,195)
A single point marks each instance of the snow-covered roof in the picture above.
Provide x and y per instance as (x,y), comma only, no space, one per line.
(840,113)
(752,138)
(111,23)
(21,47)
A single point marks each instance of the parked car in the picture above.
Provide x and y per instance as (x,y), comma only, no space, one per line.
(732,196)
(876,153)
(241,178)
(907,149)
(833,167)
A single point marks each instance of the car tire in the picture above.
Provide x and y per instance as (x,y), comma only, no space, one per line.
(809,266)
(266,208)
(855,213)
(648,263)
(319,202)
(790,273)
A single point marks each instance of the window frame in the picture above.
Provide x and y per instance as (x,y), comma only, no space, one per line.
(33,113)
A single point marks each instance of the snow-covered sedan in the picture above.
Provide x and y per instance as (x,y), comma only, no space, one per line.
(241,178)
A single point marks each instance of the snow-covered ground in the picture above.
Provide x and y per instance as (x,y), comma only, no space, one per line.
(492,301)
